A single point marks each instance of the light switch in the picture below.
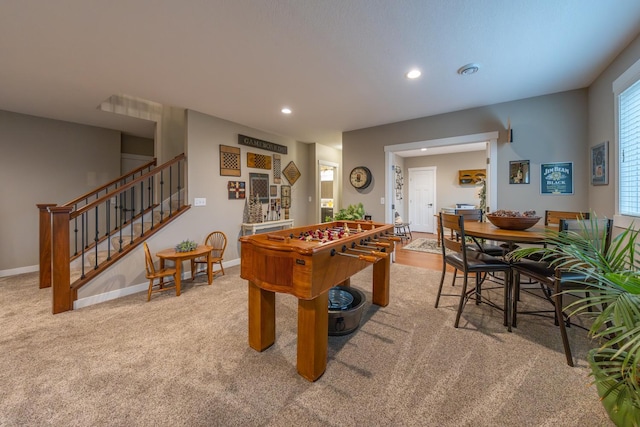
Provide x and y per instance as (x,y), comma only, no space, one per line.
(200,201)
(382,200)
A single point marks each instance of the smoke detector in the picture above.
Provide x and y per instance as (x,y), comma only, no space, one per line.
(465,70)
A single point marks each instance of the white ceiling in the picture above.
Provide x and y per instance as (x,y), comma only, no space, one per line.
(339,65)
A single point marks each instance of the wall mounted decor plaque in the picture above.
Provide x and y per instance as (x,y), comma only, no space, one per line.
(258,161)
(258,143)
(277,169)
(291,172)
(285,195)
(519,172)
(259,186)
(600,164)
(236,190)
(556,178)
(273,191)
(229,161)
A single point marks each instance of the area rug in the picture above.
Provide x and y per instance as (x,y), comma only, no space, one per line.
(424,245)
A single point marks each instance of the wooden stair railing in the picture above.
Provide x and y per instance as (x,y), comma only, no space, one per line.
(57,233)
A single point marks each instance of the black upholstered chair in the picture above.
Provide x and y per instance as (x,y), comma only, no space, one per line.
(555,281)
(470,262)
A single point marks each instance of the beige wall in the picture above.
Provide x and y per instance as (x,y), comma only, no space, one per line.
(602,124)
(550,128)
(137,145)
(46,161)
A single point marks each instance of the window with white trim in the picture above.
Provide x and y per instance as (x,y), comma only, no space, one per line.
(627,95)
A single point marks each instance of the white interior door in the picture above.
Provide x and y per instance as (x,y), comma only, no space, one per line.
(422,196)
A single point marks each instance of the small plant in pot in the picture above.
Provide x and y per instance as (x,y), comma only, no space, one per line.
(351,212)
(612,278)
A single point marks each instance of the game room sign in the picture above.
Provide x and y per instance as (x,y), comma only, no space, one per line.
(265,145)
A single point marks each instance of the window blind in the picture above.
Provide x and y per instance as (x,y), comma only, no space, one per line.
(629,151)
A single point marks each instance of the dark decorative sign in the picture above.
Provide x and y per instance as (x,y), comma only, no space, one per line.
(265,145)
(556,178)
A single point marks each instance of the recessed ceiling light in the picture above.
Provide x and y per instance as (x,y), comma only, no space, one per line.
(423,149)
(286,110)
(414,74)
(468,69)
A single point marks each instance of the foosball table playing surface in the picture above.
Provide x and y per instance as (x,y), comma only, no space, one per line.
(306,262)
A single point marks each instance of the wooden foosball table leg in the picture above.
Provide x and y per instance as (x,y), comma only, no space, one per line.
(262,318)
(381,275)
(313,336)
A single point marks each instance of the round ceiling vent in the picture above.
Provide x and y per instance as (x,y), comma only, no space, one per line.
(465,70)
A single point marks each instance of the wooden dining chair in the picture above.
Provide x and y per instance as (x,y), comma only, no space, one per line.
(152,274)
(474,263)
(218,241)
(556,281)
(554,217)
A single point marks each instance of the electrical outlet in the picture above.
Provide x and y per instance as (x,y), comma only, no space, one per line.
(199,201)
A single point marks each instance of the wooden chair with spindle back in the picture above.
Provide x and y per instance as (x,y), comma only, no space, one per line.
(218,241)
(152,274)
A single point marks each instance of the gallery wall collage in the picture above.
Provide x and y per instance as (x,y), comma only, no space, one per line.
(276,195)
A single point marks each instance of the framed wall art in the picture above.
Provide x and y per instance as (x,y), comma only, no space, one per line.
(258,161)
(236,190)
(556,178)
(273,191)
(600,164)
(259,186)
(285,194)
(291,172)
(519,172)
(229,161)
(277,169)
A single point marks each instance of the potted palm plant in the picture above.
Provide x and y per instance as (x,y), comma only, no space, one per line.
(612,276)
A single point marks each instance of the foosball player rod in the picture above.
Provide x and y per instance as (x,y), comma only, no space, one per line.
(367,258)
(378,254)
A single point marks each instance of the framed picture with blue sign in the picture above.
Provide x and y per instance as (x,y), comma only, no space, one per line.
(556,178)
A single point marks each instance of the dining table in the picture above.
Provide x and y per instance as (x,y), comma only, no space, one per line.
(486,230)
(171,254)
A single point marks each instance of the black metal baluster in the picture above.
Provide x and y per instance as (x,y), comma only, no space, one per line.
(75,231)
(96,238)
(162,195)
(82,221)
(108,234)
(133,198)
(170,189)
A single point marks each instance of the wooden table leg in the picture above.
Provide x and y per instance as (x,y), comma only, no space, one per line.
(381,274)
(313,336)
(262,317)
(209,268)
(178,276)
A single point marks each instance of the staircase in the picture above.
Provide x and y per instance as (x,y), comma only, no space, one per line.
(82,238)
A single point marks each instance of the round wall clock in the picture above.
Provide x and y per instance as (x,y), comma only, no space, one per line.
(360,177)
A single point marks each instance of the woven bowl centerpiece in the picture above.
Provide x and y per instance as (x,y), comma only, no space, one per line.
(512,220)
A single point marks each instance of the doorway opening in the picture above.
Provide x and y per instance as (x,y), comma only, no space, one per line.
(328,190)
(395,154)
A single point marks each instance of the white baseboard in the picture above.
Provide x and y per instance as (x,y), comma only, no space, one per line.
(107,296)
(20,270)
(129,290)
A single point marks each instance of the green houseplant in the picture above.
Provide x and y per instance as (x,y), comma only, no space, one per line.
(351,212)
(613,303)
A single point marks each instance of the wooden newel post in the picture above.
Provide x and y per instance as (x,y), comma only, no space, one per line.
(62,298)
(45,244)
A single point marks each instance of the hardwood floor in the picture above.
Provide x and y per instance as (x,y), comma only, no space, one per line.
(418,259)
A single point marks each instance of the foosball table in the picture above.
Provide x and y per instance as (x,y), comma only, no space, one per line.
(306,262)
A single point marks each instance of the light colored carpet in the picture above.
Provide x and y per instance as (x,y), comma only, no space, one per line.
(185,361)
(424,245)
